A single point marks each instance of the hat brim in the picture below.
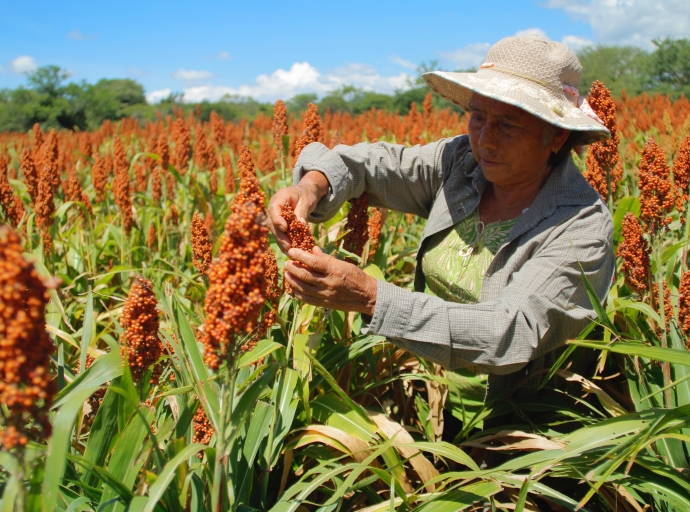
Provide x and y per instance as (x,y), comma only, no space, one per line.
(551,106)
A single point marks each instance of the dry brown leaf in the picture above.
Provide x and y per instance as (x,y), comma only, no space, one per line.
(613,407)
(394,430)
(437,393)
(327,435)
(516,440)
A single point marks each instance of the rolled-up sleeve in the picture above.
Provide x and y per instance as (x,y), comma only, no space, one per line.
(545,304)
(395,176)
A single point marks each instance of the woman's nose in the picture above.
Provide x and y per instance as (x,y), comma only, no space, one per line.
(488,136)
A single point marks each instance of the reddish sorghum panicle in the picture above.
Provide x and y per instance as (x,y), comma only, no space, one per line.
(73,190)
(201,148)
(250,189)
(30,175)
(299,234)
(163,152)
(681,176)
(297,231)
(280,127)
(229,173)
(121,188)
(603,158)
(99,177)
(38,141)
(313,129)
(273,293)
(237,286)
(634,251)
(156,185)
(11,203)
(209,222)
(26,386)
(48,163)
(684,304)
(267,156)
(203,429)
(201,245)
(151,237)
(45,204)
(182,139)
(374,230)
(141,346)
(217,128)
(173,216)
(656,194)
(357,225)
(426,106)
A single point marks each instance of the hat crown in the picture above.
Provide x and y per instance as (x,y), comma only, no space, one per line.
(536,58)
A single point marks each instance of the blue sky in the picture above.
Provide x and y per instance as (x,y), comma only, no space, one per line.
(271,50)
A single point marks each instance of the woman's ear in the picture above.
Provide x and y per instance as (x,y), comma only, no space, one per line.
(559,137)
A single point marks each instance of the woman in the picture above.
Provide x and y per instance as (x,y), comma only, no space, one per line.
(512,224)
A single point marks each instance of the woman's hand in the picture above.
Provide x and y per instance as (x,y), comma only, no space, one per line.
(324,281)
(303,198)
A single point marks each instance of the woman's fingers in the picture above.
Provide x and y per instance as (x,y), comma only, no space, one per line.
(316,260)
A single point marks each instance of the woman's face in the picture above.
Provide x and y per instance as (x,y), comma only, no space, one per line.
(511,145)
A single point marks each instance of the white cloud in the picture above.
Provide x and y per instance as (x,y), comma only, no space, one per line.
(470,56)
(23,64)
(576,43)
(192,75)
(224,56)
(300,78)
(634,22)
(156,96)
(534,31)
(402,62)
(78,35)
(136,72)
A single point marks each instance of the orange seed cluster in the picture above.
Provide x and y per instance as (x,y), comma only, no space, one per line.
(237,286)
(250,190)
(357,225)
(26,386)
(121,189)
(313,129)
(603,158)
(142,347)
(634,251)
(656,195)
(681,176)
(201,245)
(11,203)
(280,127)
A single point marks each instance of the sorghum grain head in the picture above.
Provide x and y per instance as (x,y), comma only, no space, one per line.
(357,225)
(250,189)
(26,385)
(656,195)
(634,251)
(142,347)
(237,286)
(201,245)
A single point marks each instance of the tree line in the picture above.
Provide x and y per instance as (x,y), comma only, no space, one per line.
(49,99)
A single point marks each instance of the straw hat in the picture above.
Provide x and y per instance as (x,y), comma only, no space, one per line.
(532,73)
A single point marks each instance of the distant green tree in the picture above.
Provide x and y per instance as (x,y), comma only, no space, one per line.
(112,99)
(299,103)
(618,67)
(671,66)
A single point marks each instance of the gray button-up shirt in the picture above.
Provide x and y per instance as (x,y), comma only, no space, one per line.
(533,298)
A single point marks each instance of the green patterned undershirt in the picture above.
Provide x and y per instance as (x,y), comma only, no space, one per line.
(458,257)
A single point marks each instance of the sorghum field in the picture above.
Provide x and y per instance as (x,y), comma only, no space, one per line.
(151,360)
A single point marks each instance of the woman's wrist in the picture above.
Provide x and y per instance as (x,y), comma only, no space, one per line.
(316,182)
